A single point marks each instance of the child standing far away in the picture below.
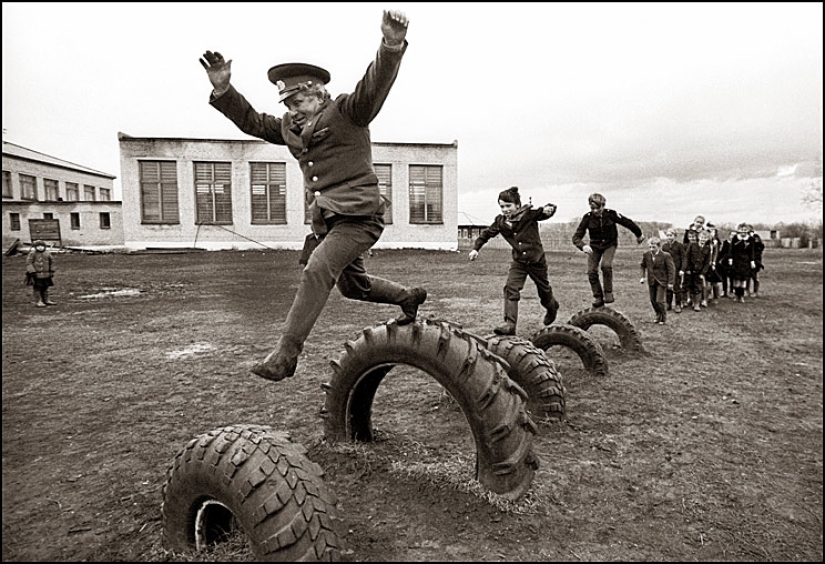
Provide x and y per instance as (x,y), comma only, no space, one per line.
(40,270)
(601,223)
(518,224)
(660,273)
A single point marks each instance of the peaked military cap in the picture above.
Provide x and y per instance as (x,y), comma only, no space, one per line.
(288,77)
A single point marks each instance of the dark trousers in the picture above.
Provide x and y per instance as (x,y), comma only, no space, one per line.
(516,277)
(676,292)
(601,259)
(337,261)
(657,299)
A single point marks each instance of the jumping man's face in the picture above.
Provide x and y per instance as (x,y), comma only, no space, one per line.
(507,208)
(302,107)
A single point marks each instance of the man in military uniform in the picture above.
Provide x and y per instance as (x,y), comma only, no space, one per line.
(601,223)
(331,141)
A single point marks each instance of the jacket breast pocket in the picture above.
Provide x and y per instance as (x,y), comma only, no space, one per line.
(319,136)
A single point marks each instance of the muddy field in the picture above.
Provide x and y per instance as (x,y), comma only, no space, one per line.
(707,448)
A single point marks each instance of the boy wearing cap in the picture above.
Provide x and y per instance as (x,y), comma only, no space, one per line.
(601,224)
(742,260)
(330,138)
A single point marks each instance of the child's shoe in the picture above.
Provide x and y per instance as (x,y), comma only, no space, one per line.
(608,298)
(50,303)
(678,308)
(40,304)
(704,303)
(696,307)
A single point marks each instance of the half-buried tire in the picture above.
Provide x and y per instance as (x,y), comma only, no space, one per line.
(576,339)
(532,370)
(251,480)
(492,403)
(629,338)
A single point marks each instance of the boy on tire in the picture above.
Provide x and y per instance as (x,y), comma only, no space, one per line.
(601,224)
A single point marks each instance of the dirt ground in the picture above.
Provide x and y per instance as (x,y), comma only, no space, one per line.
(708,448)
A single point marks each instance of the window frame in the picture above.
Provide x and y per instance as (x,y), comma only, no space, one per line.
(23,196)
(272,181)
(428,186)
(212,183)
(162,188)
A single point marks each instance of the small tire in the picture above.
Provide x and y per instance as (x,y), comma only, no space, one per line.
(628,336)
(579,341)
(492,403)
(252,479)
(532,370)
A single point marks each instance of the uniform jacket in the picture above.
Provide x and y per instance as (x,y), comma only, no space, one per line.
(742,252)
(602,229)
(697,259)
(677,252)
(521,231)
(334,150)
(659,267)
(40,264)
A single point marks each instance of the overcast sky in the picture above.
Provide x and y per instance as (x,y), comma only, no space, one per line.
(669,110)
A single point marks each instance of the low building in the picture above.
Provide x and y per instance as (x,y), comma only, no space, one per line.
(248,194)
(66,204)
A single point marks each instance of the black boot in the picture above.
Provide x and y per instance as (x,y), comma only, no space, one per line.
(280,363)
(409,305)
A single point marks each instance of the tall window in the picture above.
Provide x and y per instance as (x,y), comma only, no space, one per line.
(14,221)
(89,193)
(159,192)
(268,192)
(105,195)
(72,192)
(50,189)
(384,172)
(7,193)
(213,193)
(426,191)
(105,220)
(28,187)
(74,220)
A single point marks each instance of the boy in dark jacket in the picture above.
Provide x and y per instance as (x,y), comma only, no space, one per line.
(518,225)
(659,272)
(697,262)
(677,253)
(601,224)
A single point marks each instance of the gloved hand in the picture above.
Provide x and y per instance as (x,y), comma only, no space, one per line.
(218,70)
(587,249)
(473,254)
(640,239)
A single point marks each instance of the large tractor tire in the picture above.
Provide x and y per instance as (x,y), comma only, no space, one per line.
(579,341)
(532,370)
(492,403)
(252,480)
(628,336)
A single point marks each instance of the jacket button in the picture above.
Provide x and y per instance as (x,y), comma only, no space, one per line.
(317,194)
(310,163)
(315,179)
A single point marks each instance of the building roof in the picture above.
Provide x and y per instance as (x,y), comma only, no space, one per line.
(20,152)
(123,137)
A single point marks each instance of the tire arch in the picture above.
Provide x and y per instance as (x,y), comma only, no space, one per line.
(579,341)
(493,405)
(615,320)
(252,478)
(532,370)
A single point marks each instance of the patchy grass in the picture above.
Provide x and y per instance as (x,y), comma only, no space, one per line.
(707,448)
